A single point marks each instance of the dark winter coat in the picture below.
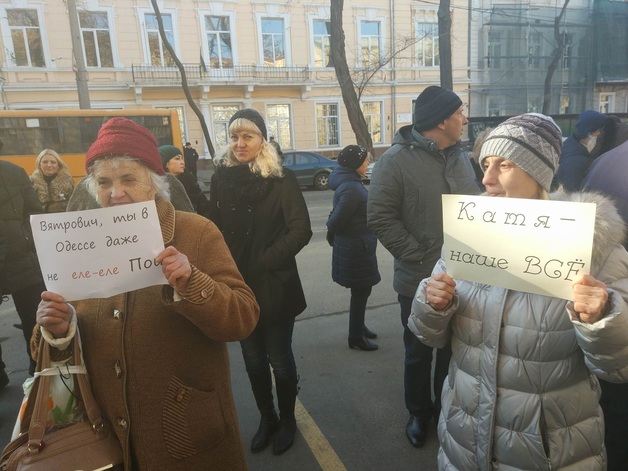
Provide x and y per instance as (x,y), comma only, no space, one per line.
(405,202)
(194,192)
(354,261)
(573,165)
(609,175)
(18,201)
(265,223)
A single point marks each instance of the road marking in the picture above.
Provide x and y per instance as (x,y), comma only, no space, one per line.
(321,448)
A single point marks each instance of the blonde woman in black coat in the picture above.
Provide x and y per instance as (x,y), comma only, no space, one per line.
(261,212)
(354,262)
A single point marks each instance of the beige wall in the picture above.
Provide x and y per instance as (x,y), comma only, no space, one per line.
(54,86)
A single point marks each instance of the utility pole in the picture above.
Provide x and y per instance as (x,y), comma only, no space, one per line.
(78,64)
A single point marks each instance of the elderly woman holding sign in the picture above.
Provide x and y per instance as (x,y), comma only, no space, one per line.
(157,357)
(521,391)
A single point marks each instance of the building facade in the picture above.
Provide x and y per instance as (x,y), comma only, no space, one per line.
(272,56)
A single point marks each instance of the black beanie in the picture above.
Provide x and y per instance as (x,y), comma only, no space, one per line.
(252,115)
(352,157)
(433,106)
(167,153)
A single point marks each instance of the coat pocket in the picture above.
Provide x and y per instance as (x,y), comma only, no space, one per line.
(193,420)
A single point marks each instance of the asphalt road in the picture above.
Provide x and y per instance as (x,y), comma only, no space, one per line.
(350,408)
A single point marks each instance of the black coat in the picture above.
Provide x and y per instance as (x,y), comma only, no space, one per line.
(18,201)
(194,192)
(354,261)
(265,223)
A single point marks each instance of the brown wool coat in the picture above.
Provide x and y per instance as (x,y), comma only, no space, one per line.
(53,196)
(160,369)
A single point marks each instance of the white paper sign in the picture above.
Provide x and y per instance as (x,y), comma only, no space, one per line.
(99,252)
(536,246)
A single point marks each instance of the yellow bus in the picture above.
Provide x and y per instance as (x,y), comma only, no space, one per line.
(25,133)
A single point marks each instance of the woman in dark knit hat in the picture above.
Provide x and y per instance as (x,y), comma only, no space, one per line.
(157,356)
(354,261)
(522,391)
(174,163)
(258,206)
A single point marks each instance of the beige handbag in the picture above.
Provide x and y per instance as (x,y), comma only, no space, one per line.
(87,445)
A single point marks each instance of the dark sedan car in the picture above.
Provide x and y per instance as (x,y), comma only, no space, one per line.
(311,169)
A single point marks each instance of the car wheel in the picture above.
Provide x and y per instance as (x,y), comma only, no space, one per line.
(321,181)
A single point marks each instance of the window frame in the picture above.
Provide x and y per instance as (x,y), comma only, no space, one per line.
(380,45)
(313,37)
(222,124)
(420,19)
(269,125)
(231,15)
(286,35)
(142,12)
(367,117)
(338,124)
(112,35)
(7,38)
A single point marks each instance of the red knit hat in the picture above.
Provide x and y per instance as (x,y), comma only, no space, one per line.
(121,136)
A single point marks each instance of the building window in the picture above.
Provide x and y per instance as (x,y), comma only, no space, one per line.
(534,50)
(96,38)
(372,111)
(273,42)
(278,124)
(222,115)
(219,46)
(607,104)
(494,50)
(158,53)
(370,43)
(495,106)
(427,38)
(327,124)
(322,43)
(26,37)
(534,105)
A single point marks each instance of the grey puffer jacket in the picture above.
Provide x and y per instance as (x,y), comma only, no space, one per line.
(404,206)
(521,391)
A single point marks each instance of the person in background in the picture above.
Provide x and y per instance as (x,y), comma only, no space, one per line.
(174,163)
(52,181)
(20,275)
(609,175)
(191,157)
(613,133)
(404,210)
(354,259)
(522,391)
(575,157)
(157,357)
(277,147)
(258,206)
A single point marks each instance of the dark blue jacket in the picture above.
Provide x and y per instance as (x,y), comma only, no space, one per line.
(573,165)
(354,262)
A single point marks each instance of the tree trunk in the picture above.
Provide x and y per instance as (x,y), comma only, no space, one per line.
(349,96)
(444,45)
(184,80)
(558,54)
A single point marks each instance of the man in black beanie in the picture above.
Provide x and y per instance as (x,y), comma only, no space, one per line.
(405,211)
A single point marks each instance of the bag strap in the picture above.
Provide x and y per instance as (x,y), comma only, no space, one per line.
(37,426)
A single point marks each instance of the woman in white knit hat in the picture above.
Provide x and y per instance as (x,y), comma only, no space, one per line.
(522,391)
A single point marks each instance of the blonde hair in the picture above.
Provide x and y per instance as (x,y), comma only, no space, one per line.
(63,167)
(266,163)
(159,182)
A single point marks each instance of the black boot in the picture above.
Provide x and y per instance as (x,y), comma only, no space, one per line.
(362,344)
(368,333)
(286,398)
(269,423)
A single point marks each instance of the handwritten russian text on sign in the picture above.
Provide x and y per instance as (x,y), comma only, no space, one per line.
(536,246)
(100,252)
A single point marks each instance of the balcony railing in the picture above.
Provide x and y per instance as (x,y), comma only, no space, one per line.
(238,73)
